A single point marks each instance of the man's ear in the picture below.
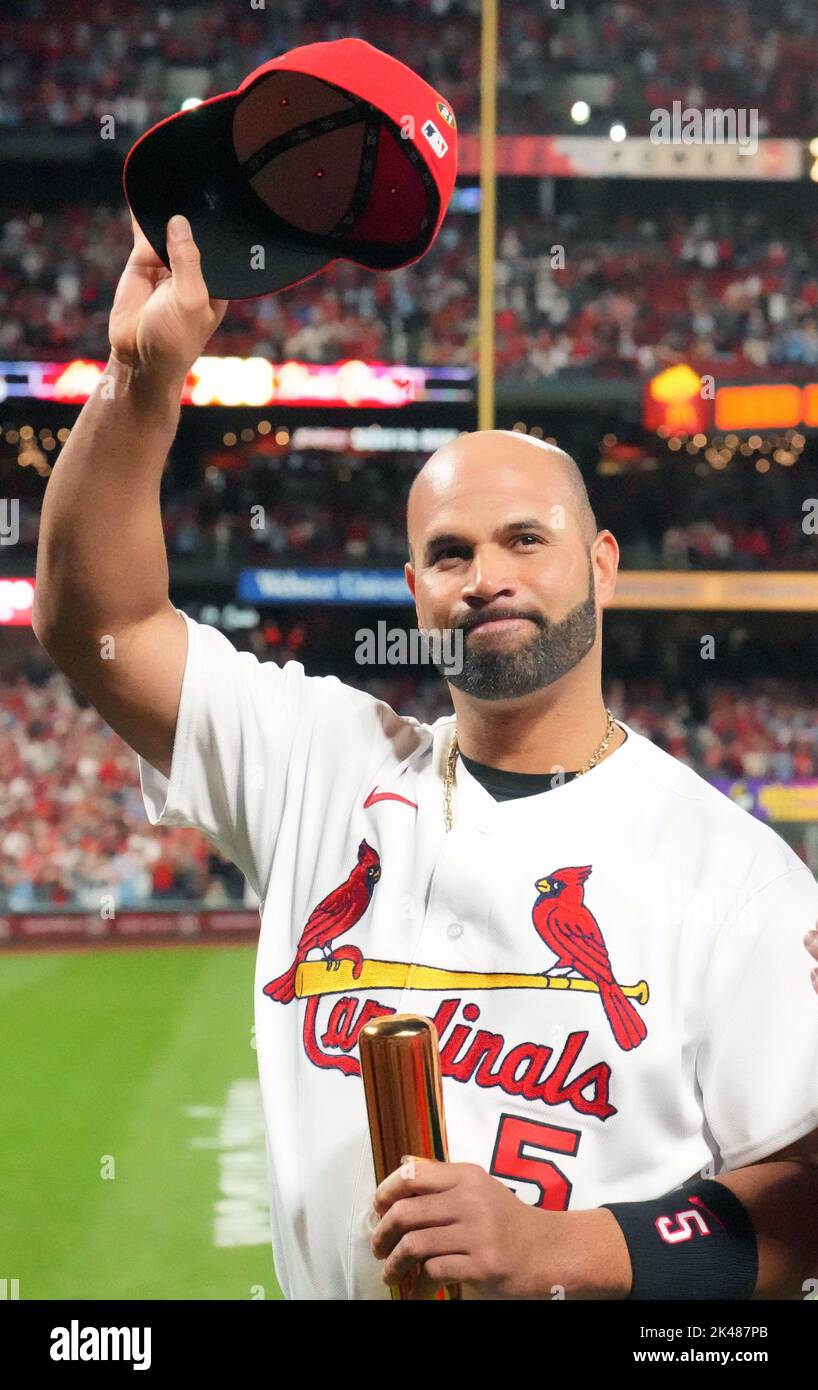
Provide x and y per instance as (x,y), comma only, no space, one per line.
(606,566)
(409,575)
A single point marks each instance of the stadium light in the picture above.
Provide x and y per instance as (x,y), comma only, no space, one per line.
(189,103)
(580,112)
(618,133)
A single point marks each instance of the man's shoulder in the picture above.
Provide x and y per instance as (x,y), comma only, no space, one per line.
(376,703)
(320,707)
(337,707)
(699,809)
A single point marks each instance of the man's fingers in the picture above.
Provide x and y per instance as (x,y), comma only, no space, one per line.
(416,1177)
(135,228)
(143,253)
(185,261)
(414,1215)
(444,1269)
(219,307)
(137,283)
(418,1246)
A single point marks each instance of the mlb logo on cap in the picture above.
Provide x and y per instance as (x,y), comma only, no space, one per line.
(333,151)
(435,139)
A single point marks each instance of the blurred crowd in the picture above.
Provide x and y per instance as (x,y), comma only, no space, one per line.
(763,729)
(348,511)
(73,831)
(65,67)
(731,544)
(72,827)
(256,506)
(729,289)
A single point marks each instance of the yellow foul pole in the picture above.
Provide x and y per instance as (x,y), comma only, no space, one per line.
(488,212)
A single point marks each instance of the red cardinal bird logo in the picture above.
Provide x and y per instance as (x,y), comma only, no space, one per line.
(334,915)
(572,932)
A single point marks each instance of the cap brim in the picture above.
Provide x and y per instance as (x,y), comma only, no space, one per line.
(187,164)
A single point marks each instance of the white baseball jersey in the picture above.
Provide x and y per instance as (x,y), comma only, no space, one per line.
(677,1031)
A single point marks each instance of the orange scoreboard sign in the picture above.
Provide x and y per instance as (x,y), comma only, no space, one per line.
(765,407)
(679,401)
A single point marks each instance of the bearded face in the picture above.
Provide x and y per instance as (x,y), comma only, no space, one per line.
(496,671)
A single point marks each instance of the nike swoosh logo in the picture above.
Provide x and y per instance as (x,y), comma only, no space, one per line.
(375,795)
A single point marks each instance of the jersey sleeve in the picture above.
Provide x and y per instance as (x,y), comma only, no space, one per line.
(247,732)
(757,1064)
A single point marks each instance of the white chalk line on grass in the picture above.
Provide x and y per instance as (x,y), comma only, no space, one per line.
(241,1213)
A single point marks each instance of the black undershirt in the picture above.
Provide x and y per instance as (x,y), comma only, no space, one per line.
(505,786)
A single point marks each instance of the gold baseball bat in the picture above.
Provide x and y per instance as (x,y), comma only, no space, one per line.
(400,1068)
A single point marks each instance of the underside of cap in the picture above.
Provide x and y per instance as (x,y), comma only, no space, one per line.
(187,165)
(280,179)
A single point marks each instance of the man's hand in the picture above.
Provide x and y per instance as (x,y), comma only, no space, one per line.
(811,943)
(161,319)
(461,1225)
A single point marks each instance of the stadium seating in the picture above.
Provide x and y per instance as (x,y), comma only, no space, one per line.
(739,292)
(64,67)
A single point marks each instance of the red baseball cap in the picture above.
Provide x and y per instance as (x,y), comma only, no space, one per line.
(333,151)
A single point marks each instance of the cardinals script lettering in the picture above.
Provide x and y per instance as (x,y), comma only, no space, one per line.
(528,1070)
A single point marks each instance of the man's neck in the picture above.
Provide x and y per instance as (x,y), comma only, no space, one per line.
(514,736)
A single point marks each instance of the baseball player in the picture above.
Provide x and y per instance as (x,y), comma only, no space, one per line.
(610,949)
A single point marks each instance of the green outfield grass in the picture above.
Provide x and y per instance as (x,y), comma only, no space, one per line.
(143,1057)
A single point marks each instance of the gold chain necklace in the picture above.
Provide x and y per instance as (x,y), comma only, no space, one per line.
(451,760)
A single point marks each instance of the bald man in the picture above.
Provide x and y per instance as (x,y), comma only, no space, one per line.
(611,951)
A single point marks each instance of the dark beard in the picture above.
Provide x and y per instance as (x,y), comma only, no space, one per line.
(556,649)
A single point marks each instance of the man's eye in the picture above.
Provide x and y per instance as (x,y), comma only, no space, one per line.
(457,552)
(527,536)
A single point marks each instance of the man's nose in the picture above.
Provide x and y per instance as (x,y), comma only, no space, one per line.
(489,576)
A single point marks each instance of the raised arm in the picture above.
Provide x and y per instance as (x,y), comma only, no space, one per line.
(101,605)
